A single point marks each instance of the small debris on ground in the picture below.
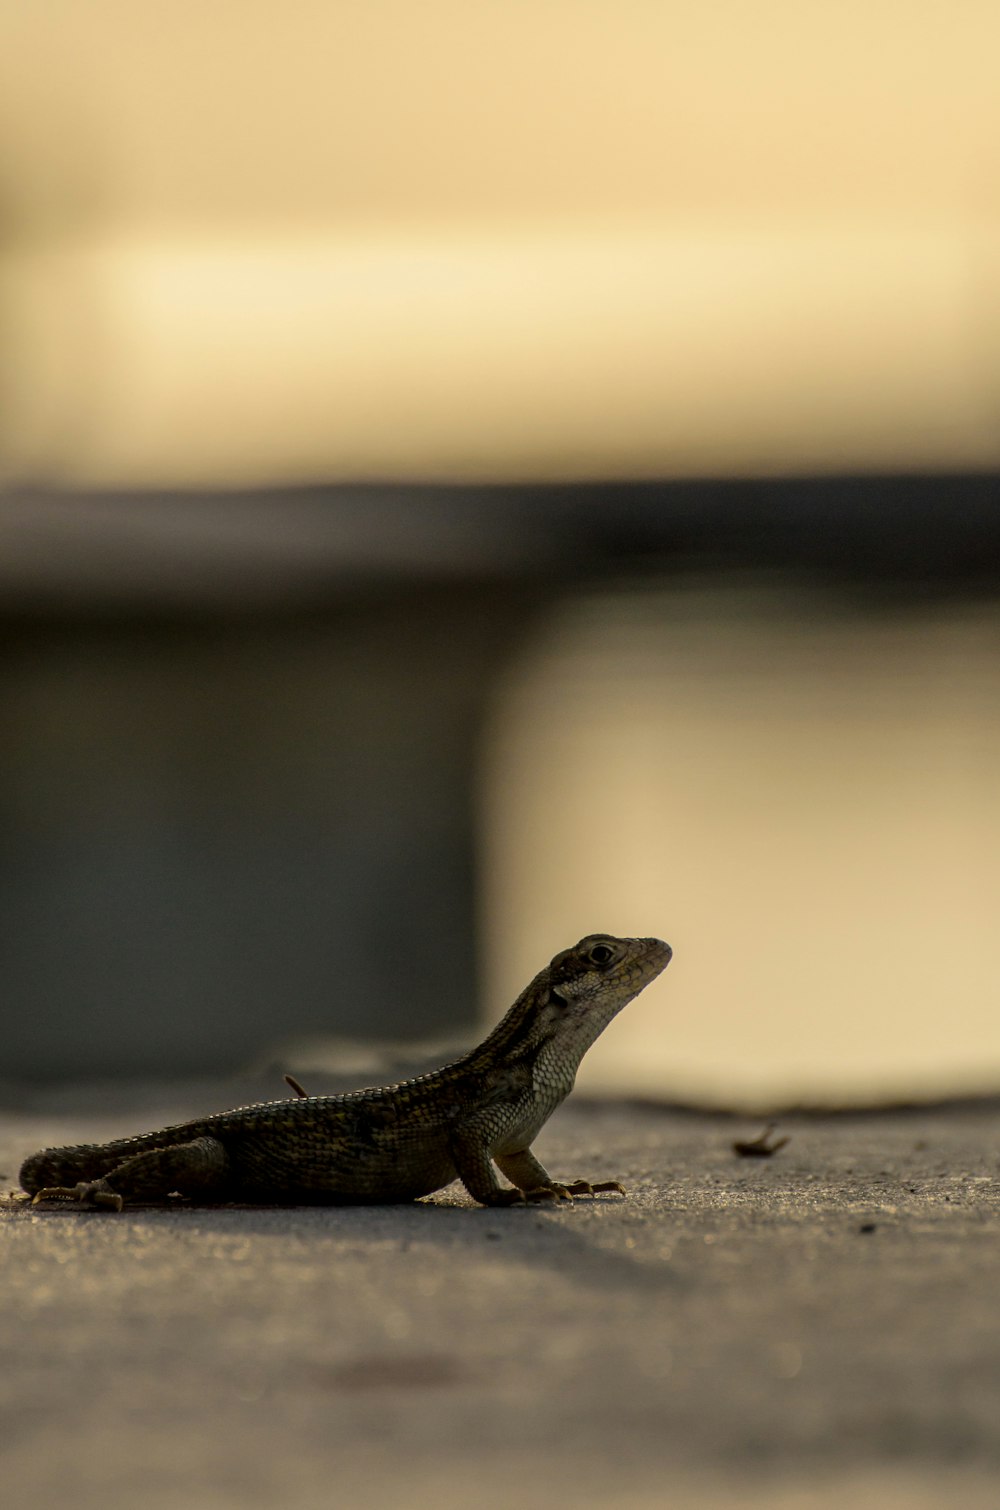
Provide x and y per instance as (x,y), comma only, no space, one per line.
(759,1147)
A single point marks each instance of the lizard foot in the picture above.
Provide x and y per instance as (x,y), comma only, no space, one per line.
(584,1187)
(555,1192)
(517,1197)
(88,1193)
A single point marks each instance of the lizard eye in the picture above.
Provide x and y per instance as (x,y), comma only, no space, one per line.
(601,954)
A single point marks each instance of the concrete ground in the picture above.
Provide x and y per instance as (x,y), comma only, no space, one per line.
(813,1330)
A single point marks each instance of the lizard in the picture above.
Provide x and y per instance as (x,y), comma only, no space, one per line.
(466,1120)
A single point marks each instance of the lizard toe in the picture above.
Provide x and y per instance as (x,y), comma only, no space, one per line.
(58,1193)
(575,1188)
(507,1198)
(87,1193)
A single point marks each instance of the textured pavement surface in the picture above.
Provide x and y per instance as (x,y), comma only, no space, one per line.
(816,1329)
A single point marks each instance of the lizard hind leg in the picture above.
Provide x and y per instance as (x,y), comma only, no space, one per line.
(199,1168)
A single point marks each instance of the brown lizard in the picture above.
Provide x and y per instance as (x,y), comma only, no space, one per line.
(388,1143)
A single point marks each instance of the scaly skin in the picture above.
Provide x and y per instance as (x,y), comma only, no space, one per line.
(389,1143)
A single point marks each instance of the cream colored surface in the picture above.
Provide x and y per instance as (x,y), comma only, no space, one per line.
(805,805)
(535,356)
(249,243)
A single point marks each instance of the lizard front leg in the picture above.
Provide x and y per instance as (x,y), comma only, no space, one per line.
(470,1152)
(200,1168)
(524,1171)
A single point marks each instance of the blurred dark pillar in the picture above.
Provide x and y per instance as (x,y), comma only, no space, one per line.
(216,835)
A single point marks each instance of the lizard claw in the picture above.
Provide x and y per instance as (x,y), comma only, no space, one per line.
(584,1187)
(88,1193)
(558,1192)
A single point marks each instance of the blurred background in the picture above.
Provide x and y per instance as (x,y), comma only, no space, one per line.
(477,475)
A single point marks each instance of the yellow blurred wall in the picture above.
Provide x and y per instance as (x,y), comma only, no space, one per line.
(800,797)
(252,242)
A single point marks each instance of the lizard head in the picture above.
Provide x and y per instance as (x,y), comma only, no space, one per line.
(590,983)
(583,988)
(605,969)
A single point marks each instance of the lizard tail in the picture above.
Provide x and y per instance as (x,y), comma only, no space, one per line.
(65,1166)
